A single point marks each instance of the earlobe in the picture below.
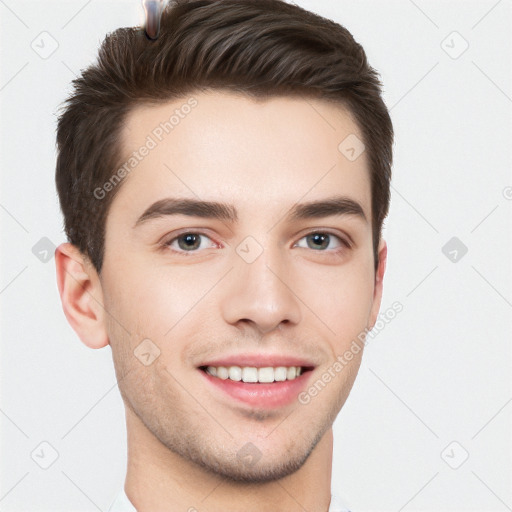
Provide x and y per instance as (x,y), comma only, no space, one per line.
(379,281)
(81,295)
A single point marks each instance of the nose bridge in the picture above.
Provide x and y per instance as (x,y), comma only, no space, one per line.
(260,291)
(266,271)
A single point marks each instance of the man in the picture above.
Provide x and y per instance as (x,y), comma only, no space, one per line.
(223,190)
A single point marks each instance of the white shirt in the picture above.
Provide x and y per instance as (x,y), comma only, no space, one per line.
(123,504)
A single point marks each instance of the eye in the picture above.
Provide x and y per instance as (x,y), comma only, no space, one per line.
(188,242)
(321,240)
(191,241)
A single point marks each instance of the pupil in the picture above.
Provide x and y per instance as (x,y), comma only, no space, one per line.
(190,241)
(318,238)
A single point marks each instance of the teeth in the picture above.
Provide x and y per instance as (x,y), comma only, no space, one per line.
(280,374)
(222,373)
(235,373)
(250,374)
(266,375)
(253,374)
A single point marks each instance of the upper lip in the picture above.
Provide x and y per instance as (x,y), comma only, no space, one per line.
(259,361)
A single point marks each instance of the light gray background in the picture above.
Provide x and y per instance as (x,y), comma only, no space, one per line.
(438,373)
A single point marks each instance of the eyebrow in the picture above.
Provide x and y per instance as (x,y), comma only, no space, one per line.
(333,206)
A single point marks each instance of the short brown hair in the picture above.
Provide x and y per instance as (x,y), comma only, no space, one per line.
(261,48)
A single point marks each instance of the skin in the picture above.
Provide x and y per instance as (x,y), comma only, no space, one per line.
(183,435)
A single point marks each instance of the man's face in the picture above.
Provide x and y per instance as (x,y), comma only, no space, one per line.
(265,285)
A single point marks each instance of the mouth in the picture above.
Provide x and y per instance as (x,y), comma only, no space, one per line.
(256,375)
(267,387)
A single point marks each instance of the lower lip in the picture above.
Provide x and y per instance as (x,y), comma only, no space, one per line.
(270,396)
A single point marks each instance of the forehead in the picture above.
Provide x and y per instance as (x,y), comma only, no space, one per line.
(223,146)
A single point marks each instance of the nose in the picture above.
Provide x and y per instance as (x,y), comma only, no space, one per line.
(261,293)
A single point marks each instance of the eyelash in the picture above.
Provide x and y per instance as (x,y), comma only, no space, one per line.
(346,245)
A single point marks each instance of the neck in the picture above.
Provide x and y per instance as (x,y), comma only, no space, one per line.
(158,479)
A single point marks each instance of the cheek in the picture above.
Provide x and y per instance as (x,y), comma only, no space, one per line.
(353,302)
(340,293)
(341,297)
(154,299)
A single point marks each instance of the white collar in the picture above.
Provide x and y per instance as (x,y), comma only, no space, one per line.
(123,504)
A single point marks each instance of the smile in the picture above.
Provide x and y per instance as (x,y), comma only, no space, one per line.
(251,374)
(265,387)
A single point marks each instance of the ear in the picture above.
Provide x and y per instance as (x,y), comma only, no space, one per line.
(81,295)
(379,278)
